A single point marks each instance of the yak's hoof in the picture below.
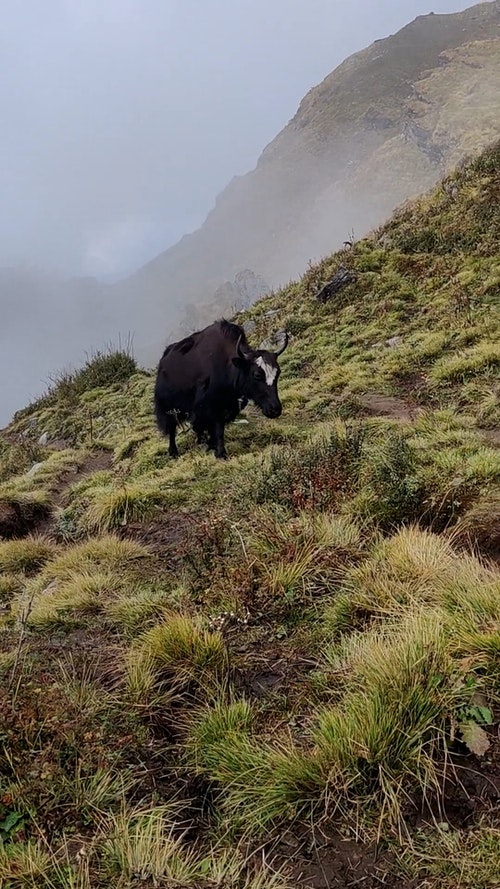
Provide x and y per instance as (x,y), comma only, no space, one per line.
(221,455)
(173,454)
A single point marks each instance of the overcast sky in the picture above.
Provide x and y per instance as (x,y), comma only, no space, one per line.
(123,119)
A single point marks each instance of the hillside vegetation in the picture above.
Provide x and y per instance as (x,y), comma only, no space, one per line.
(281,670)
(384,126)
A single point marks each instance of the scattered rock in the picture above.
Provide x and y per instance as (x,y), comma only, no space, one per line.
(34,469)
(394,341)
(274,341)
(341,279)
(43,440)
(249,326)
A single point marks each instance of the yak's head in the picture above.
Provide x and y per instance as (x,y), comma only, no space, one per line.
(259,374)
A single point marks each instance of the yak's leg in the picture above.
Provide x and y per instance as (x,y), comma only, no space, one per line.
(199,431)
(167,423)
(218,435)
(170,428)
(210,436)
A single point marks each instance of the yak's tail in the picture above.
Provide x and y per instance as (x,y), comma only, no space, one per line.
(166,416)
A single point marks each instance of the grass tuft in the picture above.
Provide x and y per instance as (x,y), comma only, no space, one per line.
(26,555)
(179,653)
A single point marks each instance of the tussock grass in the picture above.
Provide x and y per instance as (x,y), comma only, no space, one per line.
(399,695)
(412,569)
(380,741)
(137,493)
(296,559)
(17,457)
(26,555)
(142,843)
(83,579)
(27,865)
(48,474)
(106,552)
(93,793)
(79,687)
(261,782)
(146,842)
(459,368)
(445,860)
(113,507)
(217,725)
(180,654)
(480,525)
(21,510)
(65,601)
(133,612)
(10,585)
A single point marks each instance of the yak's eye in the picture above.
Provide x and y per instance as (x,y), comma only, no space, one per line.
(259,374)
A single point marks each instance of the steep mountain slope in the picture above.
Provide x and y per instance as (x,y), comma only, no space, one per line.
(387,123)
(282,670)
(384,125)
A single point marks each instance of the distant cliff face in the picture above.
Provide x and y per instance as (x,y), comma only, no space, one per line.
(386,124)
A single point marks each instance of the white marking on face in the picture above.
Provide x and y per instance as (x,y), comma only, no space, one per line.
(268,369)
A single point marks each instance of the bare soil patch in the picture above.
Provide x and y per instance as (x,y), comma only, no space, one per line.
(389,406)
(320,858)
(18,519)
(492,436)
(166,538)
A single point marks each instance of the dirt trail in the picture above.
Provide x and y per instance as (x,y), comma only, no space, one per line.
(389,406)
(394,408)
(17,520)
(95,462)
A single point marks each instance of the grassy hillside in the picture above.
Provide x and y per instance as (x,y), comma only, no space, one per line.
(385,125)
(281,670)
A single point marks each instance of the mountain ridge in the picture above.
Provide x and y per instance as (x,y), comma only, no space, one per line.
(279,215)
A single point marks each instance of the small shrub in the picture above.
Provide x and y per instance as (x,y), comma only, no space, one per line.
(393,488)
(316,475)
(104,369)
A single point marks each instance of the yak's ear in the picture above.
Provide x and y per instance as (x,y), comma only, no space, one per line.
(240,363)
